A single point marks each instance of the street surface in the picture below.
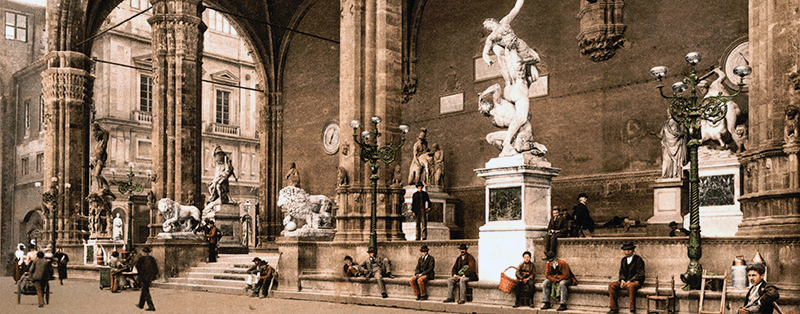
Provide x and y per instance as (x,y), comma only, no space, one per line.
(80,296)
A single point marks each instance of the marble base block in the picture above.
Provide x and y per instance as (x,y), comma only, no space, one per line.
(670,197)
(523,184)
(436,231)
(720,188)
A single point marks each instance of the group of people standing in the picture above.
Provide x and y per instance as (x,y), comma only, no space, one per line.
(39,267)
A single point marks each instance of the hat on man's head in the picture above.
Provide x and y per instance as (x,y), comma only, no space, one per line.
(146,249)
(628,246)
(372,250)
(424,248)
(582,195)
(462,246)
(419,184)
(256,259)
(549,256)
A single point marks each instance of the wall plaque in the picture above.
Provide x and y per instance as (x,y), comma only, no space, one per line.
(717,190)
(451,103)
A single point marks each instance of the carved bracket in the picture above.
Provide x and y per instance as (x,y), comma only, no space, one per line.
(602,31)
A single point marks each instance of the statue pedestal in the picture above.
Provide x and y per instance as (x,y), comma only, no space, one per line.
(517,210)
(720,188)
(227,220)
(441,218)
(670,197)
(103,245)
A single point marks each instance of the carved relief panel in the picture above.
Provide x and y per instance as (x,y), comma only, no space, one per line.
(602,31)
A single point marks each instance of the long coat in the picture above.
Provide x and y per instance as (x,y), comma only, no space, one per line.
(582,218)
(471,272)
(147,268)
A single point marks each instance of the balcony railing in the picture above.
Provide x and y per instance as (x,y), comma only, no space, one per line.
(223,129)
(142,116)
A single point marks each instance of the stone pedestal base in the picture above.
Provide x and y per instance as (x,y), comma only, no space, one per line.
(720,187)
(103,245)
(175,256)
(441,218)
(227,220)
(670,200)
(517,211)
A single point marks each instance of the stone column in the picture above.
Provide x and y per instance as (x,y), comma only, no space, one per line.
(66,88)
(177,71)
(771,185)
(369,85)
(270,128)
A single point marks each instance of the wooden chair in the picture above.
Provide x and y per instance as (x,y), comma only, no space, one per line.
(724,279)
(668,298)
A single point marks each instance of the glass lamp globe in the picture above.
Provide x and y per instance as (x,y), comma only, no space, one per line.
(403,128)
(693,58)
(355,124)
(679,87)
(659,72)
(366,135)
(376,119)
(742,71)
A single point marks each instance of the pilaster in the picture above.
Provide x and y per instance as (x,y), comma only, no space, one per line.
(66,89)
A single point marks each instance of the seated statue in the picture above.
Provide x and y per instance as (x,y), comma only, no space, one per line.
(313,211)
(178,218)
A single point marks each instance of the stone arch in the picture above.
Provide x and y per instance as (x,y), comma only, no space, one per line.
(32,228)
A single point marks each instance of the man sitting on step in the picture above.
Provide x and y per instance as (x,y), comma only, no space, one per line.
(253,272)
(266,275)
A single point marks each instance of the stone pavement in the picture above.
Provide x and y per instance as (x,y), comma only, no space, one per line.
(82,296)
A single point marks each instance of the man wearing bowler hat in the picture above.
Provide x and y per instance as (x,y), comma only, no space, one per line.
(148,271)
(423,273)
(420,206)
(631,277)
(464,270)
(378,267)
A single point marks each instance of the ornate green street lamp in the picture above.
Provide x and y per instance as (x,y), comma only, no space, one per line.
(129,188)
(371,153)
(688,110)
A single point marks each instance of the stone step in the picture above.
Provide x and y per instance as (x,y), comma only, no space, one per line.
(239,284)
(219,276)
(173,284)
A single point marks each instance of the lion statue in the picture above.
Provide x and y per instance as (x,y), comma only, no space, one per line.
(178,218)
(300,207)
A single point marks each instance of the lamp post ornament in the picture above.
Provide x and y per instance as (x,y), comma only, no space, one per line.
(130,188)
(688,110)
(370,152)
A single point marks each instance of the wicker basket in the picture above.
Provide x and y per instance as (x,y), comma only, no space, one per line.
(507,284)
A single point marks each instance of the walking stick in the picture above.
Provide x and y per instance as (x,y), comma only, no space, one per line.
(271,280)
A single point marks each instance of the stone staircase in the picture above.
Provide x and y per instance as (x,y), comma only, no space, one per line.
(226,276)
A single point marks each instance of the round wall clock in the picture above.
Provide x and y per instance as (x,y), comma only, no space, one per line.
(738,53)
(330,138)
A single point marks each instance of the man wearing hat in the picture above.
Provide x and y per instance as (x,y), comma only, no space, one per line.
(378,267)
(631,277)
(674,230)
(423,273)
(212,235)
(760,296)
(253,271)
(350,268)
(583,221)
(420,206)
(148,271)
(265,276)
(556,271)
(463,271)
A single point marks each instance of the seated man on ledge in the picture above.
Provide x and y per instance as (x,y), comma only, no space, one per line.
(631,277)
(556,271)
(378,267)
(464,270)
(350,269)
(760,297)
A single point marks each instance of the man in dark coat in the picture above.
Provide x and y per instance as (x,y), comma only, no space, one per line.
(555,229)
(583,221)
(377,267)
(423,273)
(760,296)
(212,236)
(148,271)
(464,270)
(41,271)
(265,276)
(631,277)
(61,260)
(420,206)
